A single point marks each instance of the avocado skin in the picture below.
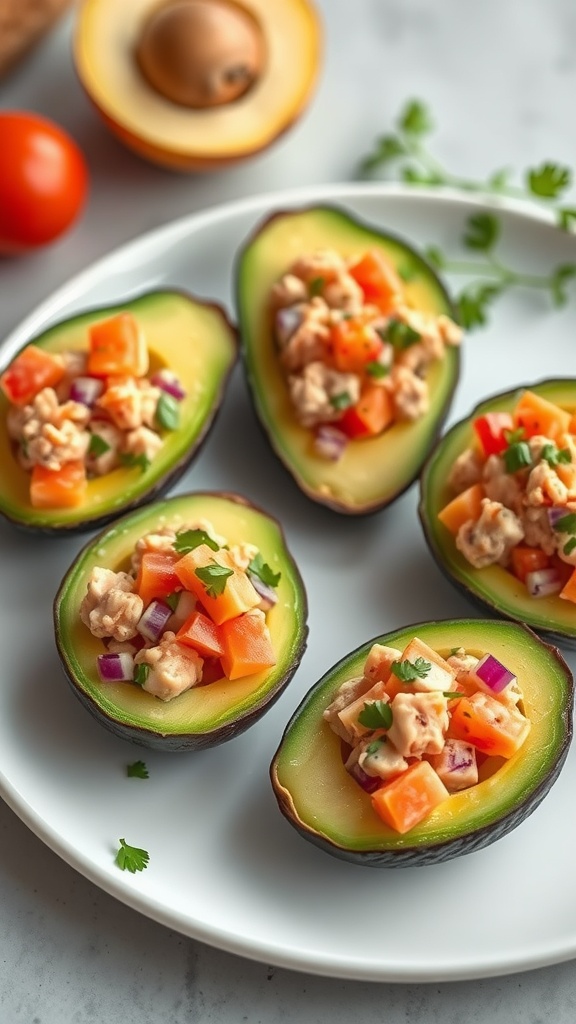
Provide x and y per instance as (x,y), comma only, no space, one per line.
(178,300)
(423,853)
(146,733)
(549,617)
(334,227)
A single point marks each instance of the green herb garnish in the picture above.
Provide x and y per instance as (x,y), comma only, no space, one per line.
(98,446)
(566,524)
(341,401)
(374,747)
(214,578)
(376,369)
(512,436)
(129,459)
(137,770)
(376,715)
(407,671)
(569,546)
(168,412)
(130,858)
(399,334)
(187,540)
(555,456)
(172,600)
(258,567)
(316,286)
(453,694)
(141,673)
(517,456)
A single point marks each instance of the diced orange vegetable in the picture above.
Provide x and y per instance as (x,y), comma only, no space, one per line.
(539,416)
(378,280)
(202,634)
(490,725)
(117,347)
(238,596)
(410,797)
(58,488)
(31,370)
(247,646)
(156,576)
(568,592)
(525,560)
(352,344)
(371,415)
(465,506)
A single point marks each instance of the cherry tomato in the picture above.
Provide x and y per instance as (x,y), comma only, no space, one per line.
(43,181)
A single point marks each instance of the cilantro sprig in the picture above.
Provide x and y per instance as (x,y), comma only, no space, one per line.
(258,567)
(214,577)
(137,770)
(408,671)
(376,714)
(405,152)
(187,540)
(131,858)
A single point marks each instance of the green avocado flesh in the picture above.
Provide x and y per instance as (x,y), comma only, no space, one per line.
(204,715)
(493,587)
(324,803)
(371,472)
(192,338)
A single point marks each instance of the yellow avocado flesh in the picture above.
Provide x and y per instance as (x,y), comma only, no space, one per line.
(494,587)
(205,708)
(191,338)
(371,472)
(107,35)
(323,798)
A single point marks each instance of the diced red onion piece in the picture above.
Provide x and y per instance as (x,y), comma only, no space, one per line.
(543,582)
(86,390)
(168,382)
(369,783)
(115,668)
(268,594)
(554,514)
(493,674)
(329,442)
(153,622)
(288,320)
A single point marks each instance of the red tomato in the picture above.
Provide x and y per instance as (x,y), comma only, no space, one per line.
(43,181)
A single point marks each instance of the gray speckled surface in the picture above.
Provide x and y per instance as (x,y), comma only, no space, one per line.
(500,78)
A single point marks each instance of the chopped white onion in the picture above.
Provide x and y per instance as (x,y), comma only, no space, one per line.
(168,382)
(115,668)
(153,622)
(543,582)
(288,320)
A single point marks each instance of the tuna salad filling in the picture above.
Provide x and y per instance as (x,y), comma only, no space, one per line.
(190,610)
(80,414)
(354,354)
(420,725)
(515,496)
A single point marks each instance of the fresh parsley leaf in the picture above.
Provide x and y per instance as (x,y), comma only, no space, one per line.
(131,858)
(517,456)
(374,747)
(399,334)
(316,286)
(454,650)
(187,540)
(482,231)
(569,546)
(98,446)
(376,714)
(168,412)
(172,599)
(258,567)
(566,524)
(556,456)
(415,119)
(386,149)
(214,578)
(512,436)
(407,671)
(341,401)
(549,180)
(376,369)
(474,301)
(141,673)
(137,770)
(129,459)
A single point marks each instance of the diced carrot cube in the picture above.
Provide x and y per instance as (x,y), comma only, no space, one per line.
(33,369)
(526,559)
(371,415)
(238,595)
(378,279)
(202,634)
(465,506)
(410,797)
(490,725)
(440,675)
(247,646)
(117,347)
(58,488)
(156,576)
(539,416)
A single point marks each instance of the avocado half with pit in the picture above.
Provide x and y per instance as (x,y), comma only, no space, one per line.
(196,84)
(492,588)
(192,338)
(371,473)
(207,714)
(319,797)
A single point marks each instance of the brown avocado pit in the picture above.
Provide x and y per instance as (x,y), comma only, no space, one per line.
(201,53)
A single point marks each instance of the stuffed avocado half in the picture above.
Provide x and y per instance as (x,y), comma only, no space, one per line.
(497,501)
(147,377)
(182,623)
(350,350)
(345,804)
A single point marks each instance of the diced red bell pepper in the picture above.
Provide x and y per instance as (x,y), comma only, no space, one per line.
(491,429)
(371,414)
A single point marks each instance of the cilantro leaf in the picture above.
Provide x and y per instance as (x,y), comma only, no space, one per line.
(512,436)
(555,456)
(131,858)
(569,546)
(187,540)
(376,370)
(566,524)
(98,446)
(376,714)
(316,286)
(341,401)
(214,578)
(407,671)
(415,119)
(566,217)
(416,176)
(258,567)
(129,459)
(141,673)
(561,276)
(499,180)
(482,231)
(386,149)
(517,456)
(548,180)
(473,303)
(168,412)
(137,770)
(399,334)
(172,599)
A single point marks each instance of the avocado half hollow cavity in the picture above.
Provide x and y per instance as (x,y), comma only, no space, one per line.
(133,432)
(333,806)
(325,305)
(196,84)
(500,489)
(203,581)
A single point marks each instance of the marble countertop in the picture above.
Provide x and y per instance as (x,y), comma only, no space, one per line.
(500,81)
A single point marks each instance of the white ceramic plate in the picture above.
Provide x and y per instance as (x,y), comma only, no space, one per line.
(225,867)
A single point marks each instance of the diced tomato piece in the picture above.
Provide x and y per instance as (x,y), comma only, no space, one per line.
(202,634)
(410,797)
(58,488)
(31,370)
(156,575)
(378,279)
(247,646)
(371,415)
(490,430)
(352,344)
(117,347)
(525,560)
